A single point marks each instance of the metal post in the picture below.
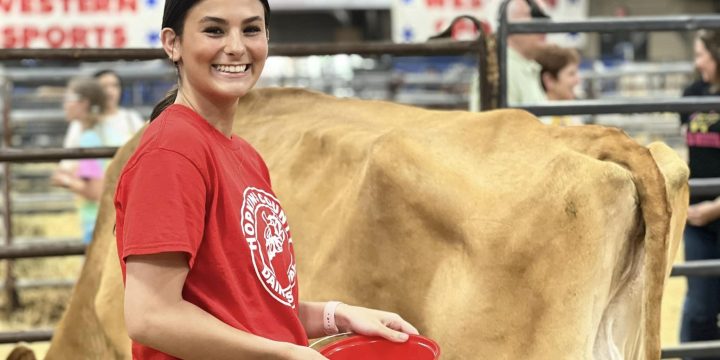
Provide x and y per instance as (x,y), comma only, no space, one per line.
(486,90)
(501,40)
(13,300)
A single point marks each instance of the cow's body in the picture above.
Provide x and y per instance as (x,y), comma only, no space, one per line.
(497,236)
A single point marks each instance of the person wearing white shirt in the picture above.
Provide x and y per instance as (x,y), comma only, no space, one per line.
(118,124)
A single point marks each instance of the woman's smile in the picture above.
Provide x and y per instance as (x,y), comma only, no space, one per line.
(232,69)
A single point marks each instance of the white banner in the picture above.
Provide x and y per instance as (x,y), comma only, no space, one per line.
(417,20)
(80,23)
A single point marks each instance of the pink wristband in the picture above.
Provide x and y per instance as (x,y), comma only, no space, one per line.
(329,318)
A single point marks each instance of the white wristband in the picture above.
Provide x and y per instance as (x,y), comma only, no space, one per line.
(329,318)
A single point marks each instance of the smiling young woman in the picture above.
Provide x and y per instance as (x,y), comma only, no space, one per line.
(208,263)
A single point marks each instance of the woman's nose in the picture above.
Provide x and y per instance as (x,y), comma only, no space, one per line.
(235,45)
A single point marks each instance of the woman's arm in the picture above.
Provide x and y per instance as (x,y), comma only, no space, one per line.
(157,316)
(703,213)
(90,189)
(356,319)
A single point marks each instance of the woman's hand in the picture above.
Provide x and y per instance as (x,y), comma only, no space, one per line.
(61,177)
(703,213)
(371,322)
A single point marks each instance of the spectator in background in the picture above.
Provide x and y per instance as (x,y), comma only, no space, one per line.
(85,105)
(118,125)
(624,45)
(559,77)
(523,73)
(701,311)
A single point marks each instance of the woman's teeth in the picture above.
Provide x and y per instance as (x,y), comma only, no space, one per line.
(233,69)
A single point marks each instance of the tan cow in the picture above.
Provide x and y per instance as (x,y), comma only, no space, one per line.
(497,236)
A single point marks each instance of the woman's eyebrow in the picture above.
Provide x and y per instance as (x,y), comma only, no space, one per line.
(213,19)
(252,19)
(222,21)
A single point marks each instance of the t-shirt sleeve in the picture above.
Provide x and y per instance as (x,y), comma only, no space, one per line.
(163,199)
(90,169)
(72,136)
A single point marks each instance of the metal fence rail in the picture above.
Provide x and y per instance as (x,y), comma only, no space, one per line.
(698,349)
(42,284)
(360,48)
(697,268)
(46,155)
(705,187)
(615,24)
(11,337)
(46,249)
(687,104)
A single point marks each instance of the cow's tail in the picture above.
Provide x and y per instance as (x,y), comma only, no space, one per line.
(610,144)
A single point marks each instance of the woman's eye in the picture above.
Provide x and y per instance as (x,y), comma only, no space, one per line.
(213,30)
(252,29)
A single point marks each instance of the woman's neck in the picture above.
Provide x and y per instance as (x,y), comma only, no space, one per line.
(219,114)
(88,122)
(112,110)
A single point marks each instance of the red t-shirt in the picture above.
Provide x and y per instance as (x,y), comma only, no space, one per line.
(188,188)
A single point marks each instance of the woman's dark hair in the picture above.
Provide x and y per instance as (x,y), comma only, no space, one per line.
(89,89)
(711,40)
(174,16)
(102,72)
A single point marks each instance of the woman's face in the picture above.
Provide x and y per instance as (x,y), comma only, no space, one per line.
(704,62)
(223,48)
(75,107)
(563,87)
(111,86)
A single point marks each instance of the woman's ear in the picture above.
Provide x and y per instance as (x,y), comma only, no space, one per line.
(548,81)
(170,45)
(85,104)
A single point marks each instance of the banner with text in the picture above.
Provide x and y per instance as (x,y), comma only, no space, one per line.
(80,23)
(417,20)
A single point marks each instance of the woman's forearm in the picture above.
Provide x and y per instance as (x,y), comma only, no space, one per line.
(311,316)
(184,330)
(715,211)
(89,189)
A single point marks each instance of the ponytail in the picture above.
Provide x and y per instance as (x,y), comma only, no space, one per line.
(164,103)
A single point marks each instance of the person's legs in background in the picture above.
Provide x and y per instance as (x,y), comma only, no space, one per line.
(702,302)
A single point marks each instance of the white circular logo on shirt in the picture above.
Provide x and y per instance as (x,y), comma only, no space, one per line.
(267,233)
